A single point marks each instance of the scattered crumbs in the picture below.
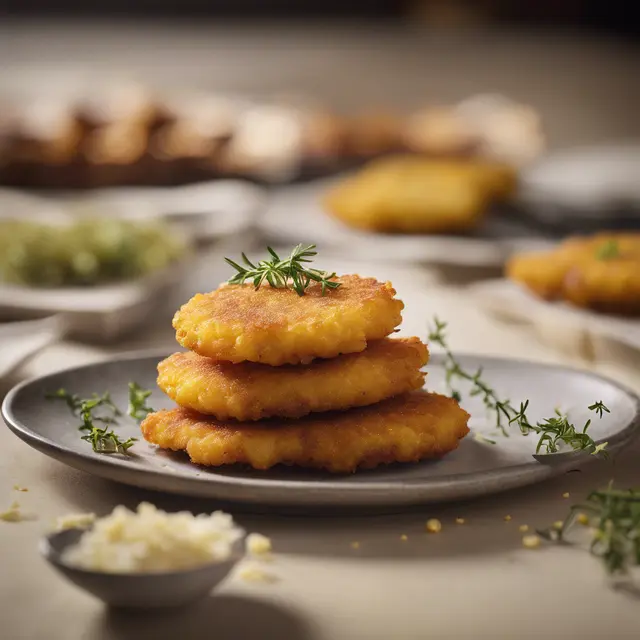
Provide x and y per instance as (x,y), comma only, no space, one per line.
(404,537)
(252,573)
(507,518)
(583,519)
(558,524)
(433,526)
(531,542)
(74,521)
(17,487)
(168,468)
(15,514)
(566,494)
(460,520)
(355,545)
(523,528)
(258,545)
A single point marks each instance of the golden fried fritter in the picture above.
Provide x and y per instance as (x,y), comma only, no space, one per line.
(600,272)
(407,428)
(272,326)
(251,391)
(415,195)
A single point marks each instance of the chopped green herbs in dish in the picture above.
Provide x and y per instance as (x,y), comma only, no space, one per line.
(87,252)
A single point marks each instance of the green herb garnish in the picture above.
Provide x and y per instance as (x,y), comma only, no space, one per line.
(102,440)
(552,431)
(138,407)
(289,273)
(453,369)
(608,250)
(614,515)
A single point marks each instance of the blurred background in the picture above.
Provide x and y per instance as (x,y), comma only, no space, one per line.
(141,141)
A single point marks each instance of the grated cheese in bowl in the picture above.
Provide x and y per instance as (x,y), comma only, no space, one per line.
(151,540)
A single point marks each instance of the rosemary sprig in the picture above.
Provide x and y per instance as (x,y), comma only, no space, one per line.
(284,273)
(608,250)
(101,439)
(614,516)
(138,408)
(552,431)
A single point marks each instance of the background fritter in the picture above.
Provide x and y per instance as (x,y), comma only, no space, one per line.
(600,272)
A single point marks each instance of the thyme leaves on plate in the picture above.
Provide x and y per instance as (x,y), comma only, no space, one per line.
(98,412)
(552,431)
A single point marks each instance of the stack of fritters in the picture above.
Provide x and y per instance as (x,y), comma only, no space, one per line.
(314,381)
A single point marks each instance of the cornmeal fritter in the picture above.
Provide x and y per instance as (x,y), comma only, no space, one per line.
(237,323)
(250,391)
(414,195)
(407,428)
(600,272)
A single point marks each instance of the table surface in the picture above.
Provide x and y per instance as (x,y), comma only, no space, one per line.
(470,581)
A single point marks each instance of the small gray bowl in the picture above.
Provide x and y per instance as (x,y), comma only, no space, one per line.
(138,590)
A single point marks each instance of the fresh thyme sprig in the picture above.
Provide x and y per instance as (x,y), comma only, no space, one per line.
(101,439)
(557,429)
(552,431)
(138,408)
(608,250)
(453,369)
(614,516)
(284,273)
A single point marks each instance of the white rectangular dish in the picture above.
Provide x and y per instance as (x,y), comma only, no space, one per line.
(566,326)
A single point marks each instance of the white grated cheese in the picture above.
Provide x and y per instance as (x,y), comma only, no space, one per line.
(75,521)
(151,540)
(258,545)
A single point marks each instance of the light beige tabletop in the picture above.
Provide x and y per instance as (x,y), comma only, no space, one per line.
(470,581)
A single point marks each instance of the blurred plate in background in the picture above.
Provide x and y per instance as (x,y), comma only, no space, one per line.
(592,185)
(21,339)
(204,212)
(294,214)
(556,322)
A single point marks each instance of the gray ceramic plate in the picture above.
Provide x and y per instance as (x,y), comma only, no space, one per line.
(476,468)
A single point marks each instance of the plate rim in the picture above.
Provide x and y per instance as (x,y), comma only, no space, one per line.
(378,492)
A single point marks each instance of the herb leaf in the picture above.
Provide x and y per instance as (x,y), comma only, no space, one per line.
(614,515)
(101,440)
(288,273)
(608,250)
(552,431)
(138,408)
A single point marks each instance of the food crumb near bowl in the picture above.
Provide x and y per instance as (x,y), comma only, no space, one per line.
(15,514)
(258,545)
(74,521)
(256,574)
(150,540)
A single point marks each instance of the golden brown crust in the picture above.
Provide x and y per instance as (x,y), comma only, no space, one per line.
(577,272)
(251,391)
(237,323)
(408,428)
